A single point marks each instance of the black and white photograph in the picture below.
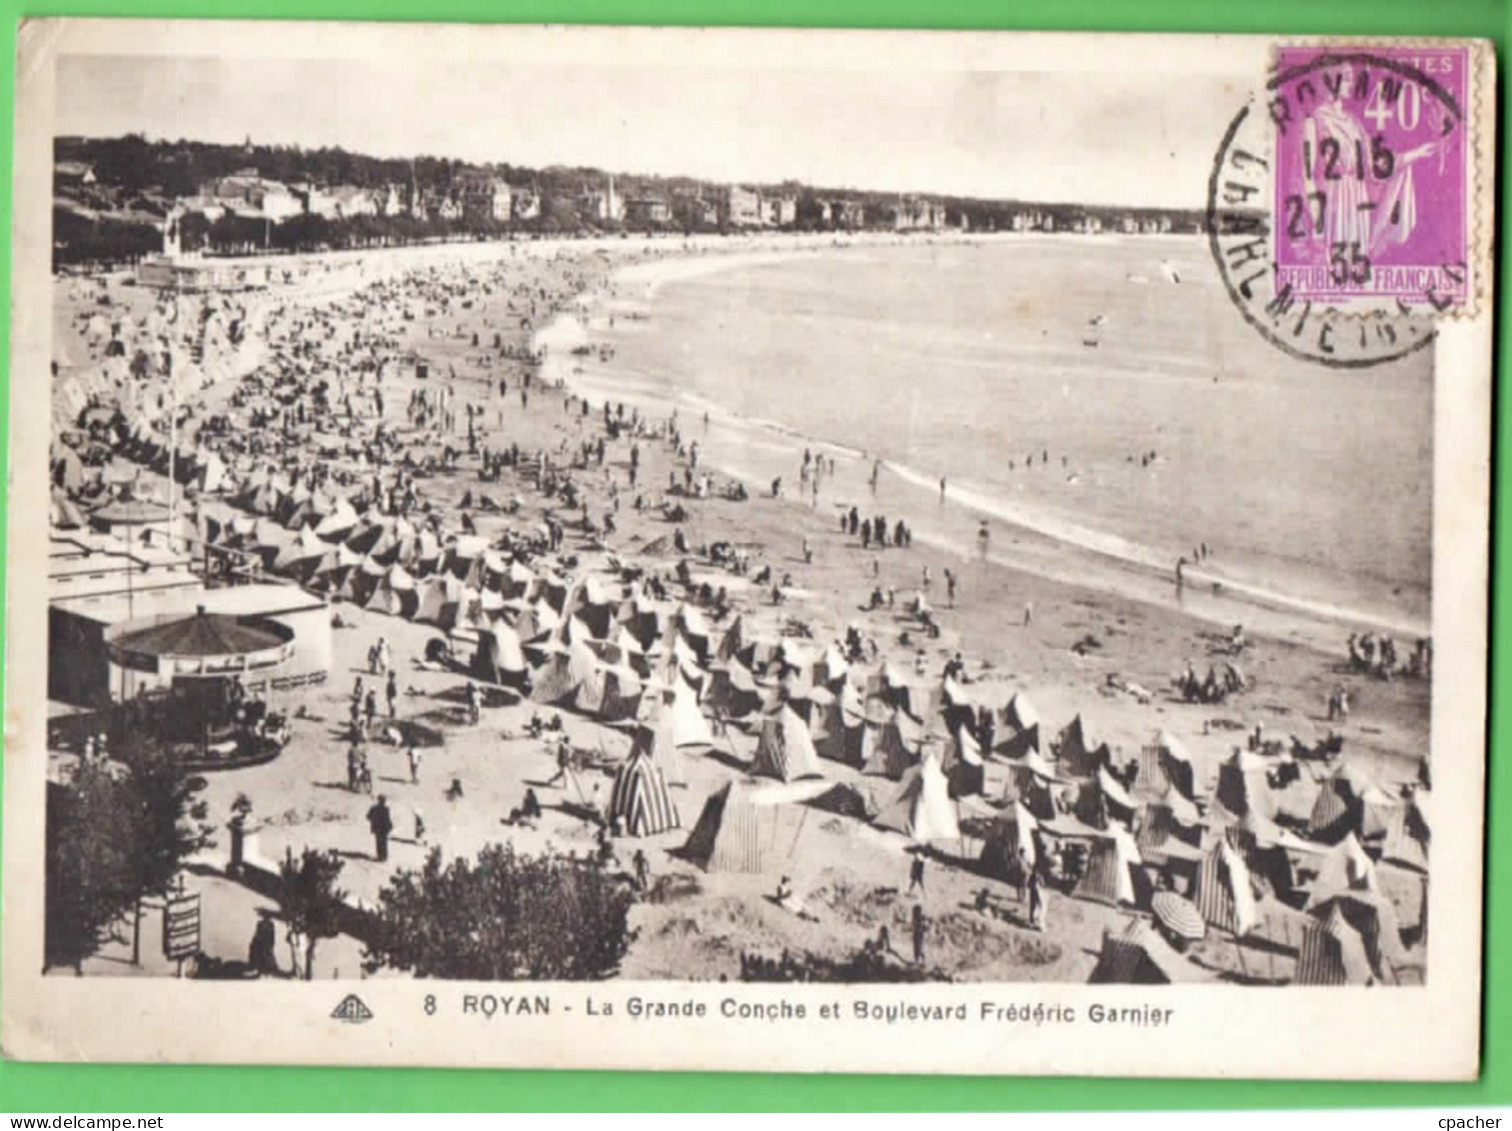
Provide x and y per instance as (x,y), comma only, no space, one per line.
(597,527)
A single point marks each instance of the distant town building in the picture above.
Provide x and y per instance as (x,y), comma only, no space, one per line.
(779,211)
(246,192)
(525,203)
(847,214)
(647,210)
(484,197)
(317,201)
(693,211)
(740,207)
(601,205)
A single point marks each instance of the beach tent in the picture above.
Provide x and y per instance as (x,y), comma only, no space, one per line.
(1344,868)
(437,600)
(729,835)
(847,800)
(622,695)
(1005,837)
(1078,751)
(1140,957)
(1109,877)
(689,727)
(1332,953)
(733,641)
(785,749)
(1167,832)
(1338,809)
(305,547)
(733,690)
(891,747)
(837,735)
(1374,919)
(557,680)
(654,739)
(1407,834)
(1165,765)
(499,658)
(1242,784)
(1224,894)
(395,594)
(922,809)
(1031,780)
(962,762)
(640,800)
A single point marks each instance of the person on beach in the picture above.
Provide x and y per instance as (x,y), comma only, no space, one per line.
(412,757)
(380,824)
(391,693)
(916,875)
(1028,613)
(1036,901)
(950,587)
(984,536)
(942,489)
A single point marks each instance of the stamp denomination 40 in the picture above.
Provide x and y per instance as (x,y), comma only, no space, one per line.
(1371,175)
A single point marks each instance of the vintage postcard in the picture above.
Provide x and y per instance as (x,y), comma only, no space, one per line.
(748,550)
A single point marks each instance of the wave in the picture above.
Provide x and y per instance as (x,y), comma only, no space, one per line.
(1138,570)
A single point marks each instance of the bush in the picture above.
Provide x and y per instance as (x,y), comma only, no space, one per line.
(504,917)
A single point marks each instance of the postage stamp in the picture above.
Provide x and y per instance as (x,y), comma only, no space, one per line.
(1371,187)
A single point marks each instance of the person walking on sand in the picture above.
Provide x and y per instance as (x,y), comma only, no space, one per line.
(370,708)
(642,869)
(391,692)
(919,923)
(950,587)
(419,826)
(1028,613)
(1036,901)
(984,538)
(381,824)
(916,875)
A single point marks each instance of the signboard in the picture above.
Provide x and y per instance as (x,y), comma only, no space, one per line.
(181,927)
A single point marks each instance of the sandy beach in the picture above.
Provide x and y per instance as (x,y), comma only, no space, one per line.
(520,335)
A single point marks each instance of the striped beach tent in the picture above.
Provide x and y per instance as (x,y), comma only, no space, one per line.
(1140,957)
(1332,954)
(728,835)
(1223,894)
(785,749)
(640,799)
(1109,877)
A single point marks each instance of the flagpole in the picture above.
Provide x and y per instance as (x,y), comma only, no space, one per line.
(173,433)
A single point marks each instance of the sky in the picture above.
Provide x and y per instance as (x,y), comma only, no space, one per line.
(1124,138)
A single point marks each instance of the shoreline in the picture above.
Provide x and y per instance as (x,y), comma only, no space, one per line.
(1132,570)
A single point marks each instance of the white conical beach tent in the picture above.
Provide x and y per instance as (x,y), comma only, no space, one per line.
(922,808)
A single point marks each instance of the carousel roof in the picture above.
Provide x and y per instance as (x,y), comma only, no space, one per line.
(131,512)
(203,641)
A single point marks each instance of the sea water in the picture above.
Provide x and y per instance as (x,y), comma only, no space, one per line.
(1096,398)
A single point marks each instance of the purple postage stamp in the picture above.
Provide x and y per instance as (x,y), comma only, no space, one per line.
(1371,199)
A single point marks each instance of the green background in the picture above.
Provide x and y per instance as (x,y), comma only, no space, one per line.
(102,1088)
